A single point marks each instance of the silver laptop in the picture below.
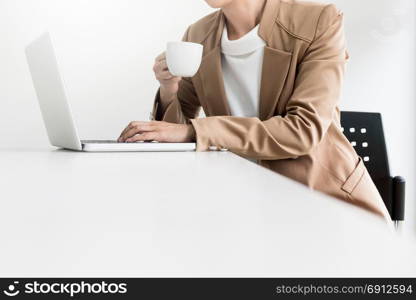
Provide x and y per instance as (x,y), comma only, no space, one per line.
(56,110)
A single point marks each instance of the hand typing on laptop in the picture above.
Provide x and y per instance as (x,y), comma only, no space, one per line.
(159,131)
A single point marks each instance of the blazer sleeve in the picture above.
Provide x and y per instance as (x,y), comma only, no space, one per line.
(183,107)
(310,109)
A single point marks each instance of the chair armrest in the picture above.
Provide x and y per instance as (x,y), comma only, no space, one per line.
(399,187)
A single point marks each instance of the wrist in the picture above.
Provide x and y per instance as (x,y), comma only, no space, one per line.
(191,134)
(167,93)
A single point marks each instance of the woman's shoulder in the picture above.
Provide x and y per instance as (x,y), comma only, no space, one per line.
(304,18)
(199,31)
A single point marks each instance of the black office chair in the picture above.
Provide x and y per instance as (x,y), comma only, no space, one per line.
(365,132)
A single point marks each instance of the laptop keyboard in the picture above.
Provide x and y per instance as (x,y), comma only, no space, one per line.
(108,142)
(100,142)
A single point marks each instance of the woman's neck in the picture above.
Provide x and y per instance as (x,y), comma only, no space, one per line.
(242,16)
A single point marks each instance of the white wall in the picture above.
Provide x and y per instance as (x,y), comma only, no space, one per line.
(107,49)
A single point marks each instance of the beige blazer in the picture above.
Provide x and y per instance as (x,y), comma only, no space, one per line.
(298,132)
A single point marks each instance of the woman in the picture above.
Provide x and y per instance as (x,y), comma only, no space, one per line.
(269,83)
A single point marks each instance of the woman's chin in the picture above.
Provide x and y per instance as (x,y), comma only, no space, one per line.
(218,3)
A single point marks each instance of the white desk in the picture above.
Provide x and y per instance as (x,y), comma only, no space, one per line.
(179,214)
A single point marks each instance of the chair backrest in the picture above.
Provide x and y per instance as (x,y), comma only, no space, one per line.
(365,132)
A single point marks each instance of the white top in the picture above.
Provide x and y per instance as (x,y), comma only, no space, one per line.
(242,62)
(175,214)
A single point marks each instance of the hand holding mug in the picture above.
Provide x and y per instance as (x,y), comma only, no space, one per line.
(181,59)
(169,84)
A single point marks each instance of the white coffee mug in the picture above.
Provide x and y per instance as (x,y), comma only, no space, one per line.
(183,58)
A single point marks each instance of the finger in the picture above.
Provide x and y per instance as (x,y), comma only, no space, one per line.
(129,126)
(176,79)
(161,56)
(139,128)
(122,133)
(160,66)
(164,75)
(163,65)
(145,136)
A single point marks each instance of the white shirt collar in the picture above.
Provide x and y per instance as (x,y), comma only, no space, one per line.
(244,45)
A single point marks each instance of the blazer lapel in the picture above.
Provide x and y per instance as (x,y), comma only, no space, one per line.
(276,65)
(210,73)
(213,87)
